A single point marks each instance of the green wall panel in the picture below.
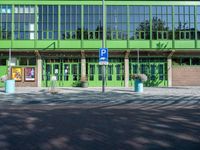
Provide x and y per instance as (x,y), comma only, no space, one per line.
(108,2)
(116,44)
(23,44)
(184,44)
(139,44)
(47,44)
(5,44)
(198,44)
(163,44)
(92,44)
(3,71)
(70,44)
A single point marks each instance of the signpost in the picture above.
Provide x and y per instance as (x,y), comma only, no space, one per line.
(103,52)
(103,60)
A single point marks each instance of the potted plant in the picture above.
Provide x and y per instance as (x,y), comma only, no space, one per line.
(138,81)
(84,82)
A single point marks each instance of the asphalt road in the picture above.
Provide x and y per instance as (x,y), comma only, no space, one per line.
(116,120)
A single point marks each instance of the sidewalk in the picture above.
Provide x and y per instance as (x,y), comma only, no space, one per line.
(175,95)
(175,91)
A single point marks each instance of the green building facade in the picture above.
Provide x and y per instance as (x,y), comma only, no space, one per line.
(62,38)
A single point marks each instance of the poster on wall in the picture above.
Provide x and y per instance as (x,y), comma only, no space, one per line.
(29,74)
(17,73)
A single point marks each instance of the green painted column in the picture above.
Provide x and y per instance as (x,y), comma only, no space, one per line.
(195,25)
(13,26)
(36,26)
(173,31)
(59,19)
(128,27)
(150,13)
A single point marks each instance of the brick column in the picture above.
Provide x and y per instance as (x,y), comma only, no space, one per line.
(126,69)
(83,64)
(169,71)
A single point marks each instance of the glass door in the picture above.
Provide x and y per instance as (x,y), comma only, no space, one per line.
(94,75)
(155,71)
(52,69)
(115,75)
(71,74)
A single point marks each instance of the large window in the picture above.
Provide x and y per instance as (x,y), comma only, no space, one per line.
(48,22)
(198,22)
(24,22)
(93,22)
(5,22)
(70,22)
(162,22)
(139,22)
(117,22)
(184,22)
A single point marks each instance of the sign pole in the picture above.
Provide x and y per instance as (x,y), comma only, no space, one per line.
(9,71)
(138,61)
(103,45)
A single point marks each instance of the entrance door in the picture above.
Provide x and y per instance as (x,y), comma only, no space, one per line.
(94,74)
(114,75)
(53,69)
(71,74)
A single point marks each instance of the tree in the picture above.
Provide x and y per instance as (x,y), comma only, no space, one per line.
(159,29)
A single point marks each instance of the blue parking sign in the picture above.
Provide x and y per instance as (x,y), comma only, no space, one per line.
(103,56)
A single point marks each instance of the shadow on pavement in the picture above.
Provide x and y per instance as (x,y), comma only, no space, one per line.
(99,129)
(94,121)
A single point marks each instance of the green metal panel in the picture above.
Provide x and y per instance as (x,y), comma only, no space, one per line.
(3,71)
(195,25)
(23,44)
(150,12)
(198,44)
(184,44)
(116,44)
(70,44)
(5,44)
(139,44)
(128,27)
(110,2)
(47,44)
(162,45)
(26,2)
(92,44)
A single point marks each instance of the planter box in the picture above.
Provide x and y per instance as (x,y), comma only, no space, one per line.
(10,86)
(138,86)
(84,84)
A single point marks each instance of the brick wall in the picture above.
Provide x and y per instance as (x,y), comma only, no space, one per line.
(186,76)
